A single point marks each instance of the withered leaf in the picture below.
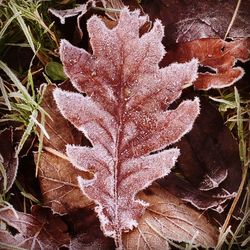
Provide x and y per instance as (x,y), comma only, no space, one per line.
(169,219)
(57,176)
(209,168)
(217,55)
(187,20)
(124,115)
(8,160)
(39,230)
(87,232)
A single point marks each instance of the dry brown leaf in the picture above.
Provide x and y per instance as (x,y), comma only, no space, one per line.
(209,168)
(57,176)
(8,160)
(169,219)
(217,55)
(187,20)
(37,231)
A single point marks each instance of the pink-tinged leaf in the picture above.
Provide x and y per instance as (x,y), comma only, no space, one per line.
(216,55)
(8,160)
(169,219)
(36,231)
(125,115)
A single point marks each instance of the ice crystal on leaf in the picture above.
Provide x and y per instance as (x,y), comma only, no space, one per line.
(124,115)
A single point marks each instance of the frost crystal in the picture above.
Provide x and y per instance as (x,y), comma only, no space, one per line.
(124,115)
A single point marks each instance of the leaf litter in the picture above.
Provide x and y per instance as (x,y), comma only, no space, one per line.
(201,187)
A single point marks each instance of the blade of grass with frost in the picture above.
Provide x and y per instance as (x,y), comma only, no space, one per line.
(6,25)
(27,131)
(17,83)
(23,27)
(26,194)
(242,145)
(239,228)
(4,93)
(40,139)
(3,173)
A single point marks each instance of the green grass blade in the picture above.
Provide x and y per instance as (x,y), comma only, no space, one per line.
(23,26)
(4,93)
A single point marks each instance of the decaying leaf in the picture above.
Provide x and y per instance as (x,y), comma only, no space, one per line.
(87,232)
(39,230)
(124,115)
(169,219)
(57,176)
(209,168)
(187,20)
(217,55)
(8,160)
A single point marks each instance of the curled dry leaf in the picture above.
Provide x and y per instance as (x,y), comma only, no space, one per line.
(8,160)
(169,219)
(217,55)
(39,230)
(124,115)
(210,163)
(57,176)
(187,20)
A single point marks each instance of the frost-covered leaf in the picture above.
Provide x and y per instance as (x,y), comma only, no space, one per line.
(124,115)
(217,56)
(39,230)
(187,20)
(78,11)
(57,176)
(210,166)
(8,160)
(169,219)
(63,14)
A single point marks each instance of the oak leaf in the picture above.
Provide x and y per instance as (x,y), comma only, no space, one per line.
(39,230)
(57,177)
(124,115)
(169,219)
(217,56)
(8,160)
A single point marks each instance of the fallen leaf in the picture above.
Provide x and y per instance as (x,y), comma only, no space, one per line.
(209,168)
(124,115)
(216,55)
(78,11)
(39,230)
(87,232)
(8,160)
(57,176)
(187,20)
(169,219)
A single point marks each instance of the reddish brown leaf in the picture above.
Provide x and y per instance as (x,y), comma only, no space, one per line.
(210,163)
(57,176)
(169,219)
(187,20)
(8,160)
(39,230)
(124,115)
(218,55)
(86,228)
